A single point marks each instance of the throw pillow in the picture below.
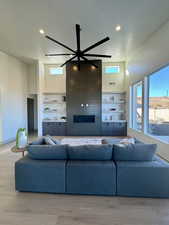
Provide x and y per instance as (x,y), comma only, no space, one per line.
(56,141)
(49,141)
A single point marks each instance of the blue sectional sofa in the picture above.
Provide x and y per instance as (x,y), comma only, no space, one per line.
(143,179)
(91,177)
(95,170)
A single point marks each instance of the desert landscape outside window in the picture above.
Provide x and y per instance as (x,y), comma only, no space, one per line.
(159,104)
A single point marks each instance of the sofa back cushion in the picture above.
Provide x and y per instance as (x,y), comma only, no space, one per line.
(39,141)
(47,152)
(134,152)
(90,152)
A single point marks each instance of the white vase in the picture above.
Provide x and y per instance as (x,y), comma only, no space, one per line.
(21,138)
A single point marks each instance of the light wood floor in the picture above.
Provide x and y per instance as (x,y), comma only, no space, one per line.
(47,209)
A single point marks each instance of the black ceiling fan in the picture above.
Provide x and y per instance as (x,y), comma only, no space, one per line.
(80,54)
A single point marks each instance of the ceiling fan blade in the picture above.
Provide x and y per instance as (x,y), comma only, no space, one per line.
(78,59)
(59,43)
(58,54)
(98,55)
(68,61)
(89,61)
(96,44)
(78,36)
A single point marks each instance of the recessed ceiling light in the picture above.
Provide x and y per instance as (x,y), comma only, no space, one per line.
(118,28)
(41,31)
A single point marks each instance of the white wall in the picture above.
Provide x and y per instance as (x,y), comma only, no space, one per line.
(57,84)
(152,55)
(54,84)
(116,79)
(13,87)
(32,78)
(40,88)
(1,119)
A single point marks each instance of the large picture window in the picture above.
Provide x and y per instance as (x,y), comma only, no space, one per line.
(149,105)
(137,106)
(159,104)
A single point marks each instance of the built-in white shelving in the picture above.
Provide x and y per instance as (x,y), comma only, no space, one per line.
(113,107)
(54,107)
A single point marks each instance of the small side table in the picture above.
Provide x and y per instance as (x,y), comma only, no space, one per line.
(16,150)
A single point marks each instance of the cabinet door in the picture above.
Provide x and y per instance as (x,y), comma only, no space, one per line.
(106,129)
(44,128)
(119,129)
(54,128)
(60,129)
(114,129)
(48,128)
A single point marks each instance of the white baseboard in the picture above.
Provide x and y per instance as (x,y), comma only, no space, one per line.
(8,141)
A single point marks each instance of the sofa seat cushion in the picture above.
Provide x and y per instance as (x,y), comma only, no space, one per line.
(143,179)
(134,152)
(111,141)
(90,152)
(40,175)
(91,177)
(58,152)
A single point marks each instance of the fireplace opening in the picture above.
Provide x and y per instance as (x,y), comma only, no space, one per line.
(84,118)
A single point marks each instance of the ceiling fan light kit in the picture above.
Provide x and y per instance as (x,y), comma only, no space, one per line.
(79,54)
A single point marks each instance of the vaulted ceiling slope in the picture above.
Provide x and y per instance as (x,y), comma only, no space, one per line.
(20,21)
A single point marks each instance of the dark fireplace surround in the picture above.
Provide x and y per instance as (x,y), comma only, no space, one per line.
(83,91)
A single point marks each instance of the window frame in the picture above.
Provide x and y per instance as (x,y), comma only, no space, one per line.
(145,106)
(134,99)
(148,96)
